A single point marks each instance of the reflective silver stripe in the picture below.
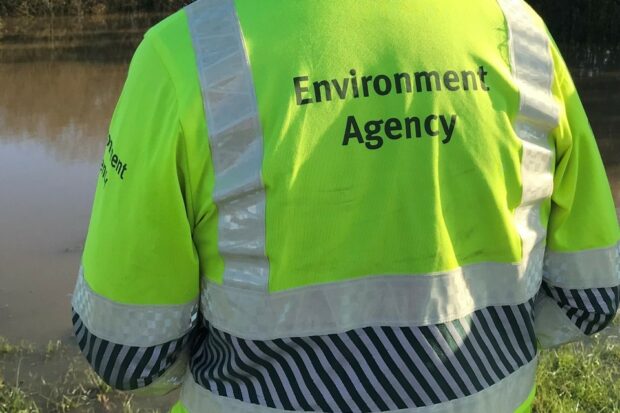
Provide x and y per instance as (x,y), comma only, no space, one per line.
(396,300)
(131,325)
(503,397)
(532,68)
(235,138)
(597,268)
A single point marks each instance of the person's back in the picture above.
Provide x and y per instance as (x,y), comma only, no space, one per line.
(362,193)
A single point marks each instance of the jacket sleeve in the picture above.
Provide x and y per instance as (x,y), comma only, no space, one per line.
(581,279)
(135,301)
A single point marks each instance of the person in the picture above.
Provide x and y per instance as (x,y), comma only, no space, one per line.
(350,206)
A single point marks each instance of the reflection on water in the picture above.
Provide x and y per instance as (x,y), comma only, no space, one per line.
(64,106)
(44,212)
(59,82)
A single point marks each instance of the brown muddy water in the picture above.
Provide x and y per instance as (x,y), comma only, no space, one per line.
(59,82)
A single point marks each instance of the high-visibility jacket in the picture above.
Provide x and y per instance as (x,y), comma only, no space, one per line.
(346,206)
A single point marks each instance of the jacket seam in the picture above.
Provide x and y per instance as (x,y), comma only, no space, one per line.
(157,49)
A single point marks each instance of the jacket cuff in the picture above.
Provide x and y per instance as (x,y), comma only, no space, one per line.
(553,328)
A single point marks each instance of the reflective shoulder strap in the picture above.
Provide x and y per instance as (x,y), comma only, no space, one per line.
(235,139)
(532,69)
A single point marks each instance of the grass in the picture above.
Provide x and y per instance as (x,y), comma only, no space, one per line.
(55,378)
(580,378)
(13,399)
(79,391)
(7,348)
(53,347)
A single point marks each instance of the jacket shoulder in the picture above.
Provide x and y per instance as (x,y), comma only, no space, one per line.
(172,41)
(170,27)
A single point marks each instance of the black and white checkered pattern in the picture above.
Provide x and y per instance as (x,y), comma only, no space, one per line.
(132,325)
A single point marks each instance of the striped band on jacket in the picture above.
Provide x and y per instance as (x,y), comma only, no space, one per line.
(368,369)
(126,367)
(591,310)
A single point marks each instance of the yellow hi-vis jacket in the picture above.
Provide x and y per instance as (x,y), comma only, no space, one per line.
(346,206)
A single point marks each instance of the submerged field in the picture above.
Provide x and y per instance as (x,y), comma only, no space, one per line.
(55,378)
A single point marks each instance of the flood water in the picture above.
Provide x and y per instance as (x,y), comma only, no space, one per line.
(59,82)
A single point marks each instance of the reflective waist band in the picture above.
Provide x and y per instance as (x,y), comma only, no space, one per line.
(391,300)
